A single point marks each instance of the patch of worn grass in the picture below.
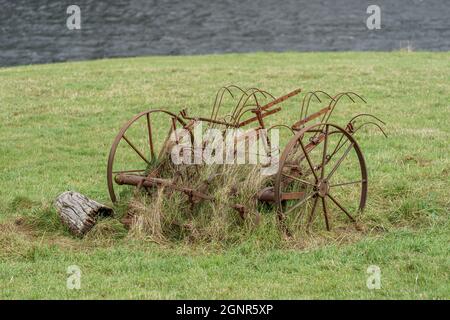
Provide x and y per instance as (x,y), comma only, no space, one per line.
(57,125)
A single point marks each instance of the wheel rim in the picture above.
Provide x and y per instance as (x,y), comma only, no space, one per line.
(315,173)
(150,123)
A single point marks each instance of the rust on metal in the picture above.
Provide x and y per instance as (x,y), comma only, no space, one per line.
(301,181)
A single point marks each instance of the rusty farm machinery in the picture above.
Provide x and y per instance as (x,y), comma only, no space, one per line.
(320,170)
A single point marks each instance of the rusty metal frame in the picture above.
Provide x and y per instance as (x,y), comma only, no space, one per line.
(248,103)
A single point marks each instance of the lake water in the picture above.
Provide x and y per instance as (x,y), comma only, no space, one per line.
(36,32)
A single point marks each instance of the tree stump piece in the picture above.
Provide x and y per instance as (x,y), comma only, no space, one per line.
(78,212)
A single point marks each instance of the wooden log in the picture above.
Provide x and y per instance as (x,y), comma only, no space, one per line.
(78,212)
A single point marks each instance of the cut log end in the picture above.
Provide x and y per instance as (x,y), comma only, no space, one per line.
(78,212)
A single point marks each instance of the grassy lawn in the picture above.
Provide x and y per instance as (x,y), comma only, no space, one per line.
(57,123)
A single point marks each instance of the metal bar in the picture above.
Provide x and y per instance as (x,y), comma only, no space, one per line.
(341,207)
(150,137)
(153,182)
(347,183)
(302,201)
(338,163)
(293,195)
(296,125)
(281,99)
(298,179)
(135,149)
(263,115)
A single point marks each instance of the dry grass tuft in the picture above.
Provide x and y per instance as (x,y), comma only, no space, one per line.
(165,215)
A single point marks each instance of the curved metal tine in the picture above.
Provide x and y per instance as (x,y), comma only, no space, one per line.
(311,215)
(236,108)
(215,102)
(236,87)
(307,97)
(244,93)
(244,111)
(263,92)
(338,163)
(302,201)
(324,93)
(329,97)
(256,90)
(303,104)
(225,89)
(373,123)
(341,207)
(338,97)
(240,110)
(311,94)
(253,92)
(315,93)
(367,115)
(331,105)
(357,95)
(325,214)
(135,149)
(218,101)
(349,96)
(334,103)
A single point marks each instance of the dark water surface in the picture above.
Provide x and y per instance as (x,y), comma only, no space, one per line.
(36,32)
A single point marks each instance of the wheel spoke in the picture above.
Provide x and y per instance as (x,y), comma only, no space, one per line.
(300,203)
(308,159)
(174,128)
(311,215)
(135,149)
(338,145)
(150,137)
(298,179)
(340,161)
(341,207)
(347,183)
(324,155)
(298,217)
(325,214)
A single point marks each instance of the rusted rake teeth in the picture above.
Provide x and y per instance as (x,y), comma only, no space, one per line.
(356,124)
(313,168)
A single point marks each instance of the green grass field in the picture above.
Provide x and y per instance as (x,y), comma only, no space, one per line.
(57,123)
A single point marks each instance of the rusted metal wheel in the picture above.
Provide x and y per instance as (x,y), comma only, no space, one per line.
(321,171)
(140,146)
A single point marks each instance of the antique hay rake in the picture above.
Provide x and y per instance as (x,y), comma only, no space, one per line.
(321,165)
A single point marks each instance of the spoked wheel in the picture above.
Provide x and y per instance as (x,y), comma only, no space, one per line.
(141,148)
(321,172)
